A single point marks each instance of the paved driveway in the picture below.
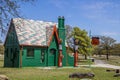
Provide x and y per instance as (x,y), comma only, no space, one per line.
(101,63)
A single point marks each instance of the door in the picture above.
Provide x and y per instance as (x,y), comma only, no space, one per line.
(52,57)
(13,56)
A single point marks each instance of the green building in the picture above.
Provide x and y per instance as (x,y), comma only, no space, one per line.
(35,43)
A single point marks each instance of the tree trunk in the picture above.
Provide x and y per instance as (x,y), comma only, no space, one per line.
(107,56)
(85,57)
(99,54)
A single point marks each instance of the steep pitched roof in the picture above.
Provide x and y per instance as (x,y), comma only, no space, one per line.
(30,32)
(56,34)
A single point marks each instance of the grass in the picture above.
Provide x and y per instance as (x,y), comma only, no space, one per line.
(83,61)
(36,73)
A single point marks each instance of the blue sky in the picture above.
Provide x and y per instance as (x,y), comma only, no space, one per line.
(102,17)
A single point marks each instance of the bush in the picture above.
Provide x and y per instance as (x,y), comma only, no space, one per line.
(1,49)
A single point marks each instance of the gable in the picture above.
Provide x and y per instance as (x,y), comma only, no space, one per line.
(54,34)
(11,36)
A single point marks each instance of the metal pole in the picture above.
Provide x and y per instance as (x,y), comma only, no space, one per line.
(89,61)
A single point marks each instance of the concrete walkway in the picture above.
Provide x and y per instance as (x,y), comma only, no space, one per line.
(98,63)
(101,63)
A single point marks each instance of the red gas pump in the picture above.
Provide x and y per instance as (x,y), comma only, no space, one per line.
(60,54)
(60,58)
(76,42)
(75,59)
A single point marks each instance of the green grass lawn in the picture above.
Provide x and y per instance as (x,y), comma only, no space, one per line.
(36,73)
(83,61)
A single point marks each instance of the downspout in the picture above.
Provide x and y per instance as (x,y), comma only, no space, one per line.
(21,50)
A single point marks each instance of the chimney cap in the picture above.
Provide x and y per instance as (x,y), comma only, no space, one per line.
(61,17)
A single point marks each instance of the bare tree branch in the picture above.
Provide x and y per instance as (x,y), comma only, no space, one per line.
(9,9)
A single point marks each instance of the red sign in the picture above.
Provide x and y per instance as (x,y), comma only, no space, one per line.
(95,41)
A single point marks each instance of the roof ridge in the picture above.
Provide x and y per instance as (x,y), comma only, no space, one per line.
(34,20)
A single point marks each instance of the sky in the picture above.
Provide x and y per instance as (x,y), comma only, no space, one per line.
(101,17)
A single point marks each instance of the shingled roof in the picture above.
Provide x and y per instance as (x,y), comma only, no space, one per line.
(30,32)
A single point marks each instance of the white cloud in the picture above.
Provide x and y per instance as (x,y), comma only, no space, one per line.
(97,5)
(59,3)
(68,15)
(110,33)
(101,11)
(113,21)
(114,35)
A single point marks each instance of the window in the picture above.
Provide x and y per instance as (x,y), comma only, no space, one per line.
(15,53)
(42,55)
(6,52)
(52,51)
(30,52)
(15,50)
(11,53)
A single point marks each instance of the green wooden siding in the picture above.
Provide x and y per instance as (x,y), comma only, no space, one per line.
(70,60)
(11,58)
(67,60)
(36,59)
(53,57)
(62,36)
(61,33)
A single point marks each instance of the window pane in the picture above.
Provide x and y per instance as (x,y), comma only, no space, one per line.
(52,51)
(30,52)
(42,55)
(6,52)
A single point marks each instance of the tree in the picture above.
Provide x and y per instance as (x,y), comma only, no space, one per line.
(116,49)
(0,41)
(68,31)
(68,36)
(1,49)
(107,44)
(9,9)
(97,50)
(85,42)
